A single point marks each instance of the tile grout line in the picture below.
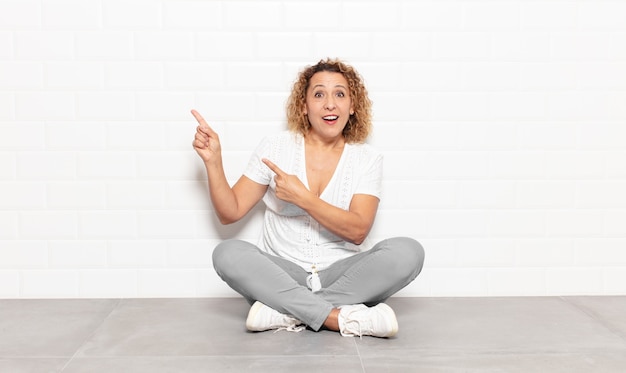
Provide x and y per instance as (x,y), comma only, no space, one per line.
(90,335)
(595,317)
(358,353)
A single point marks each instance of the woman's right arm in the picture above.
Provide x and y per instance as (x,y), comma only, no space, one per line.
(231,204)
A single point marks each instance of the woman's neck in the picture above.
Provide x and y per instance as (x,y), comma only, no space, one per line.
(336,143)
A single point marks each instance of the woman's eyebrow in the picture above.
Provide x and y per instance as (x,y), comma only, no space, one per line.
(323,86)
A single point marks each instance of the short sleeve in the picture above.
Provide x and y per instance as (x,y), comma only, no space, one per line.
(371,173)
(256,170)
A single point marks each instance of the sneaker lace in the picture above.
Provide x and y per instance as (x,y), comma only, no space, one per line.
(291,328)
(360,333)
(353,325)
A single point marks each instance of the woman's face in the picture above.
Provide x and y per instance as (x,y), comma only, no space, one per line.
(328,104)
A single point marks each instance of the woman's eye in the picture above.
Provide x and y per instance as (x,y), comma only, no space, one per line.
(340,94)
(318,94)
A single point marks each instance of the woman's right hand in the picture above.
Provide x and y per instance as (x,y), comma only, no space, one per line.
(207,142)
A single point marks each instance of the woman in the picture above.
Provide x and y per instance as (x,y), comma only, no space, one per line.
(321,185)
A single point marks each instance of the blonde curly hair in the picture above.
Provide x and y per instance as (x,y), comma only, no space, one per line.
(359,124)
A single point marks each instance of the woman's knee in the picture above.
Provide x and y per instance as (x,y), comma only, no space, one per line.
(227,253)
(220,253)
(409,251)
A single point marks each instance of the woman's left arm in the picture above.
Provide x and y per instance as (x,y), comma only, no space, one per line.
(352,225)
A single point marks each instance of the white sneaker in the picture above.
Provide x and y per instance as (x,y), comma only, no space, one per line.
(262,318)
(358,319)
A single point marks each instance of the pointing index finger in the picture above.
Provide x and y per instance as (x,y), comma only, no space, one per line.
(203,124)
(273,167)
(198,116)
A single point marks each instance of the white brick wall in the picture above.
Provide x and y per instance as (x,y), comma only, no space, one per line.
(502,123)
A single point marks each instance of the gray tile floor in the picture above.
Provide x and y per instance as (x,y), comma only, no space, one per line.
(517,334)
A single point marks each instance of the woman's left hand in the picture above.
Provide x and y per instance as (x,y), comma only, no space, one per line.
(288,187)
(352,225)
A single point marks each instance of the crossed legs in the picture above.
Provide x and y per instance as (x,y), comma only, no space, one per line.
(366,278)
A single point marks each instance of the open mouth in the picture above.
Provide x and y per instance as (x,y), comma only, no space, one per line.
(330,118)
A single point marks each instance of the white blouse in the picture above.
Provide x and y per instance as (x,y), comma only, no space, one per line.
(288,231)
